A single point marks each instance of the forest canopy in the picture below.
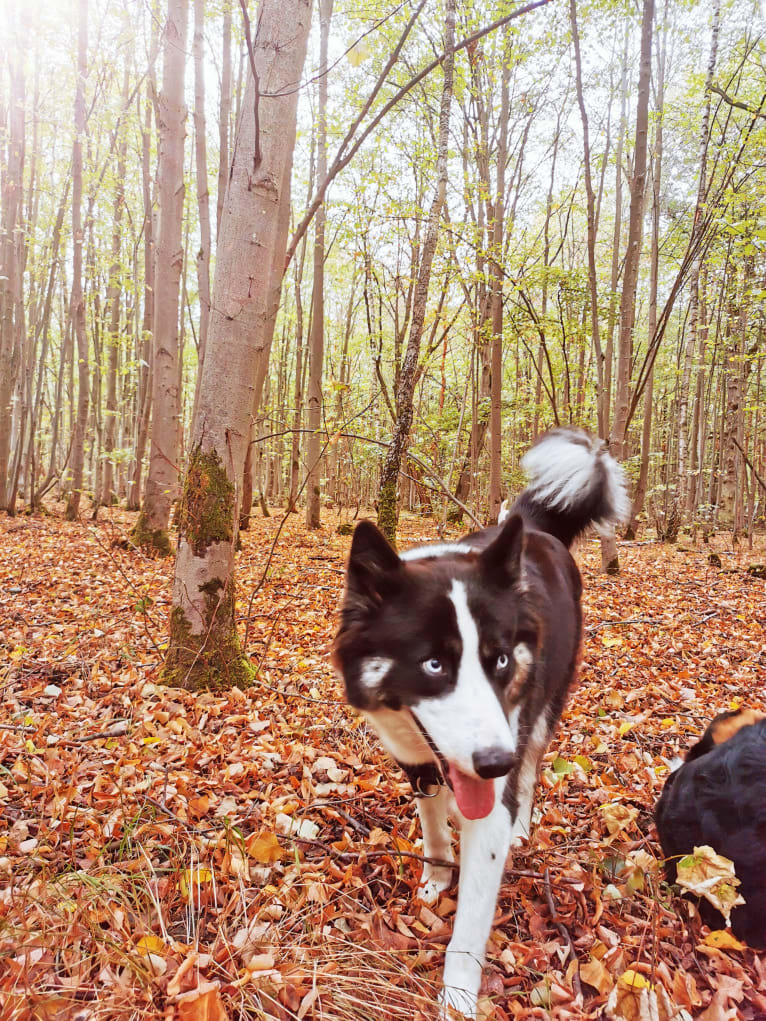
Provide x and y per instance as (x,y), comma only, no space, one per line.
(678,392)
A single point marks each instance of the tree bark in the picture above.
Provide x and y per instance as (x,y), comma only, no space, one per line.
(224,112)
(602,411)
(151,528)
(692,339)
(107,494)
(496,270)
(10,275)
(639,496)
(388,509)
(609,557)
(203,195)
(144,395)
(316,336)
(635,235)
(77,302)
(204,650)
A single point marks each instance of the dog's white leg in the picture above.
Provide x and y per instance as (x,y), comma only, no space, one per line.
(437,843)
(484,845)
(527,781)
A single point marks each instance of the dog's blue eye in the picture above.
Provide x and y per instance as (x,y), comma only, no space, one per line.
(502,661)
(432,666)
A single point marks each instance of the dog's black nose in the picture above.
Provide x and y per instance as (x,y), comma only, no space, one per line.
(492,762)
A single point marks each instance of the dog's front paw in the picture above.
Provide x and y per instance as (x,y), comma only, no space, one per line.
(435,880)
(462,976)
(456,1003)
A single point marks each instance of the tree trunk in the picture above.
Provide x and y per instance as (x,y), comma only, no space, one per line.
(151,528)
(224,111)
(496,270)
(107,494)
(639,496)
(204,649)
(316,337)
(609,557)
(388,509)
(203,196)
(10,249)
(144,395)
(77,302)
(633,254)
(692,341)
(591,204)
(295,445)
(617,236)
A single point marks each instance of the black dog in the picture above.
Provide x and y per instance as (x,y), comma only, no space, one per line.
(461,656)
(718,797)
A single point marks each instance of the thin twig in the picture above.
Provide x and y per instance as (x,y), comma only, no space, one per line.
(576,985)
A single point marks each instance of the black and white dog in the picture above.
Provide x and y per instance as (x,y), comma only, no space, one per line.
(461,656)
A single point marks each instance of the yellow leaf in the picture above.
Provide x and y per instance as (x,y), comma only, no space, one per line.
(358,53)
(667,722)
(150,945)
(611,641)
(635,980)
(722,939)
(151,740)
(192,879)
(625,726)
(734,704)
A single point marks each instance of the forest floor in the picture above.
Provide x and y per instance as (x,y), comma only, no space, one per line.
(165,855)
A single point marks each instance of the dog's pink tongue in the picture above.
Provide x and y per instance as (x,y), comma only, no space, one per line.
(475,798)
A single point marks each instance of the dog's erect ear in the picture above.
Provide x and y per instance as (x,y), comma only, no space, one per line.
(501,560)
(372,564)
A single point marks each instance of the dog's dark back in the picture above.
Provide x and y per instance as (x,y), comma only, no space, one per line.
(718,797)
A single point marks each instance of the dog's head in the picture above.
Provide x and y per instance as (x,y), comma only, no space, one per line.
(441,639)
(722,728)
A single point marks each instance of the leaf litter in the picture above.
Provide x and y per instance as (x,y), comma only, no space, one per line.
(254,855)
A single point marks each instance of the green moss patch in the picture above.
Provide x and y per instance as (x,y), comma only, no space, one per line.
(153,539)
(206,514)
(212,660)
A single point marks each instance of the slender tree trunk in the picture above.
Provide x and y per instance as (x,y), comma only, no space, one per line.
(388,510)
(496,270)
(295,445)
(204,649)
(609,557)
(151,529)
(203,195)
(77,302)
(639,496)
(144,395)
(617,236)
(107,495)
(602,411)
(635,224)
(10,270)
(692,339)
(224,112)
(316,337)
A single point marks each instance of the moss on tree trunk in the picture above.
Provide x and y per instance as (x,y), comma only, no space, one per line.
(388,510)
(204,652)
(154,539)
(212,660)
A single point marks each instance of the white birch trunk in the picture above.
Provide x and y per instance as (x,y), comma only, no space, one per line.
(162,481)
(204,650)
